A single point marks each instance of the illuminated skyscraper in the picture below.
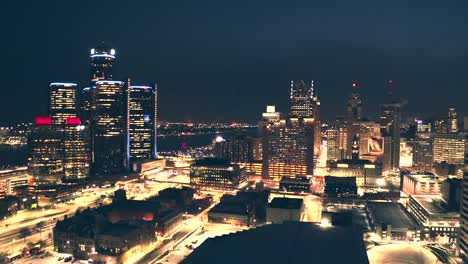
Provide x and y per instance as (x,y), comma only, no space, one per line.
(76,144)
(449,148)
(354,107)
(102,60)
(87,104)
(441,126)
(62,101)
(45,161)
(452,121)
(142,122)
(302,103)
(422,154)
(390,122)
(463,231)
(110,152)
(333,142)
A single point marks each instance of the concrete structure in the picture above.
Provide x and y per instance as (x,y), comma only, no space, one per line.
(390,123)
(340,186)
(415,184)
(449,148)
(9,179)
(451,191)
(366,172)
(434,220)
(216,173)
(234,213)
(282,210)
(293,243)
(401,253)
(391,221)
(295,184)
(463,235)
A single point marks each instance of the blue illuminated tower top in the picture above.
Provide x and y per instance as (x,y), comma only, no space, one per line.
(102,59)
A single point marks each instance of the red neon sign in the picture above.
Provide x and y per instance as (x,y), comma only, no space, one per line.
(73,121)
(43,120)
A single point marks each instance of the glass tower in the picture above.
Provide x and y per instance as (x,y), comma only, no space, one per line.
(109,128)
(63,101)
(142,122)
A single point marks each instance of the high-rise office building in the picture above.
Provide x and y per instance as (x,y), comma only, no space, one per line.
(87,105)
(452,121)
(302,104)
(423,127)
(62,101)
(463,230)
(441,126)
(45,148)
(101,60)
(390,122)
(449,148)
(354,108)
(289,148)
(305,104)
(109,128)
(77,152)
(142,122)
(239,149)
(333,142)
(422,154)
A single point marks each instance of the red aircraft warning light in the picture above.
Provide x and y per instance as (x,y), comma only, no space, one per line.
(43,120)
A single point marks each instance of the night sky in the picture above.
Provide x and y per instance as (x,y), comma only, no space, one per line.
(226,60)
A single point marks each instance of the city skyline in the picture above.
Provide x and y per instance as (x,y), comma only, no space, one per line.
(424,50)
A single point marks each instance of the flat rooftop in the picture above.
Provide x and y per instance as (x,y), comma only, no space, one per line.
(432,203)
(391,213)
(291,243)
(238,208)
(286,203)
(423,177)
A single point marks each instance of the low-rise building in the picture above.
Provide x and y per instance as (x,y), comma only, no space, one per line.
(391,221)
(10,179)
(434,220)
(216,174)
(420,183)
(232,212)
(282,210)
(340,186)
(116,232)
(295,184)
(167,222)
(365,172)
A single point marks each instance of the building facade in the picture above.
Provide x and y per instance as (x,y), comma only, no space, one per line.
(463,234)
(109,129)
(390,123)
(449,148)
(46,153)
(217,174)
(416,184)
(435,222)
(142,122)
(63,101)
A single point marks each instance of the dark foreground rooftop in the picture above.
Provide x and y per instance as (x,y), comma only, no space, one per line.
(391,213)
(289,243)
